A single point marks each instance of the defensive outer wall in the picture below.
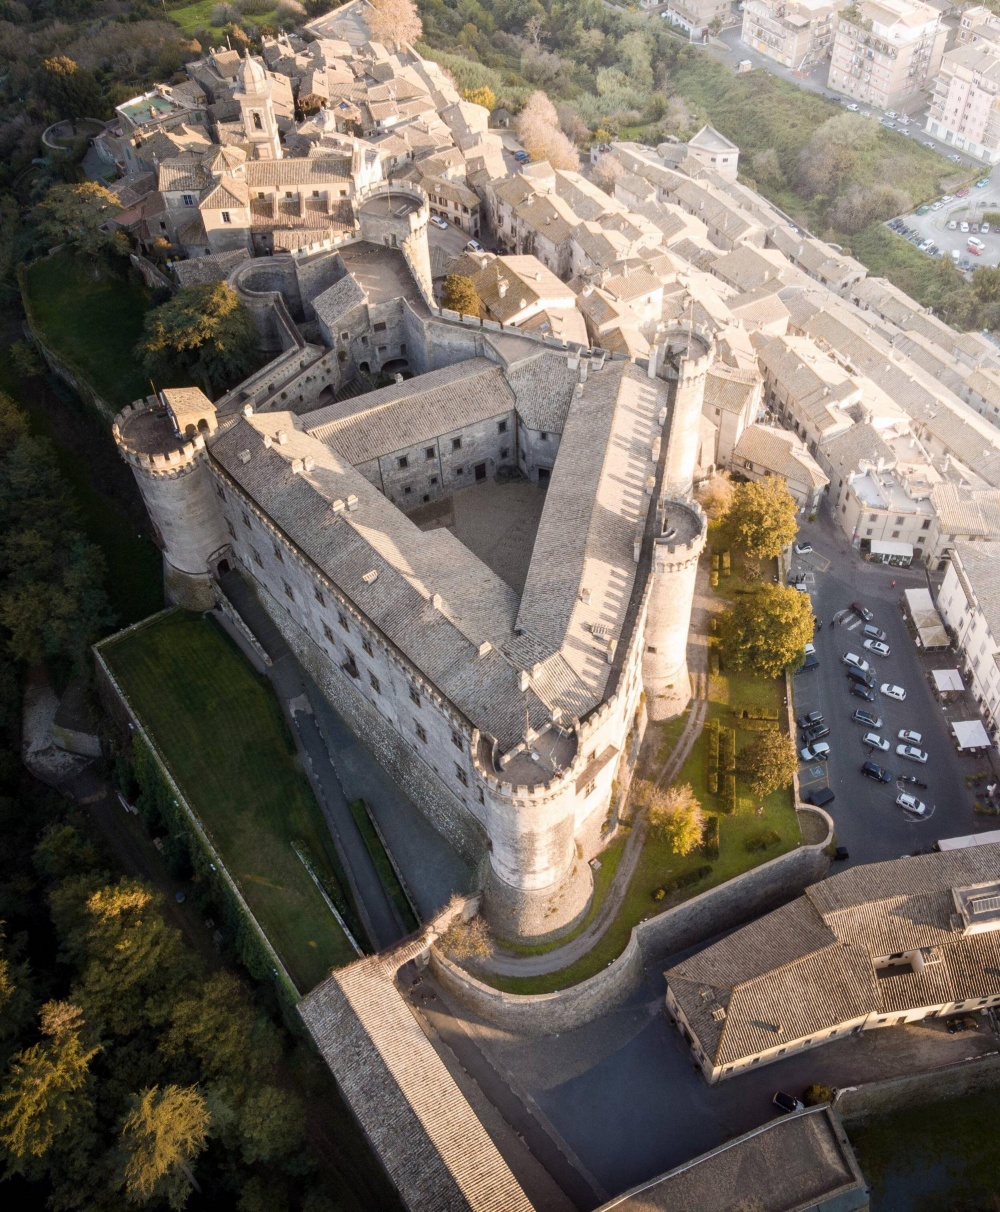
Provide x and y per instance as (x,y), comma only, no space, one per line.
(651,942)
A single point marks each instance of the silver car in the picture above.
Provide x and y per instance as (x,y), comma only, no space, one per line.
(877,647)
(875,741)
(911,803)
(911,752)
(911,737)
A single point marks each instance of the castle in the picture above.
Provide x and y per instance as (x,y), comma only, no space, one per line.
(511,715)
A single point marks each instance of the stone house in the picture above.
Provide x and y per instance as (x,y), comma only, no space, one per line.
(969,602)
(763,450)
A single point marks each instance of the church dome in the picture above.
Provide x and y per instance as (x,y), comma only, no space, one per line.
(251,77)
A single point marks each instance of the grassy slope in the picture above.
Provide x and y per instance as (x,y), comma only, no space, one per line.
(225,741)
(193,17)
(657,863)
(93,317)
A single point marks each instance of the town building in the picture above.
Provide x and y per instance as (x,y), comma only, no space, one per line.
(875,946)
(969,602)
(765,450)
(795,33)
(886,52)
(965,106)
(697,17)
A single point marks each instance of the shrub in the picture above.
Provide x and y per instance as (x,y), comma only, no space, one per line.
(762,839)
(710,839)
(729,794)
(816,1094)
(468,940)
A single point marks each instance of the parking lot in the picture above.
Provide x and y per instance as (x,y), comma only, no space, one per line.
(933,225)
(869,823)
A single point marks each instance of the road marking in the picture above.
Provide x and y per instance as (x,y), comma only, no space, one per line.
(853,626)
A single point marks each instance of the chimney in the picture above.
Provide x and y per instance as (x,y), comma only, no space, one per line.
(585,596)
(282,438)
(352,503)
(437,601)
(502,287)
(524,680)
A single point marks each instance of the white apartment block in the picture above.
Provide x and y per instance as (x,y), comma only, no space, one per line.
(886,51)
(695,17)
(969,602)
(965,104)
(796,33)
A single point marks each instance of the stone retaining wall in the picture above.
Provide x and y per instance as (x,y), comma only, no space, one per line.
(895,1094)
(701,918)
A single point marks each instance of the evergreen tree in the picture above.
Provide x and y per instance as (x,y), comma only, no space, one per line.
(162,1135)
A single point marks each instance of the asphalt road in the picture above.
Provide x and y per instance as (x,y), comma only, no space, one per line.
(868,822)
(970,209)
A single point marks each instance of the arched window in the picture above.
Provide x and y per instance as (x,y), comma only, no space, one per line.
(257,124)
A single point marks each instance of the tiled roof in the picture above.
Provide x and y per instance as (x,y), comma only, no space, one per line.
(779,451)
(967,511)
(728,389)
(846,452)
(980,562)
(298,172)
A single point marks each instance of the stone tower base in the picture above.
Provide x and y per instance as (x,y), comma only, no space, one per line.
(673,699)
(193,592)
(538,916)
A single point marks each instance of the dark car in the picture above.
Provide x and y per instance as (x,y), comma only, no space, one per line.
(808,665)
(786,1104)
(862,692)
(966,1023)
(820,796)
(868,718)
(873,771)
(840,855)
(815,733)
(861,679)
(865,613)
(814,717)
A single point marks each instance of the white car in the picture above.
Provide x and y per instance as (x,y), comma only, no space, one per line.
(893,692)
(912,752)
(803,548)
(855,662)
(852,107)
(877,647)
(911,737)
(875,741)
(947,197)
(474,246)
(952,224)
(911,804)
(964,227)
(810,649)
(439,222)
(984,230)
(818,751)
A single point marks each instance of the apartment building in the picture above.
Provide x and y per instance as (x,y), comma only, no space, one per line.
(977,24)
(884,52)
(965,104)
(796,33)
(969,602)
(695,17)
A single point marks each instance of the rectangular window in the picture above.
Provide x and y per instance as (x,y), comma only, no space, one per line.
(544,437)
(318,594)
(374,682)
(482,798)
(345,336)
(188,199)
(226,217)
(315,193)
(381,348)
(403,461)
(229,527)
(895,534)
(220,490)
(277,554)
(367,646)
(926,525)
(460,471)
(328,633)
(501,426)
(420,732)
(256,557)
(288,590)
(414,697)
(342,620)
(428,452)
(456,443)
(899,521)
(380,326)
(434,479)
(456,740)
(246,521)
(504,452)
(460,774)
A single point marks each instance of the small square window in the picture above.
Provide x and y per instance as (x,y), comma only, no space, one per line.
(379,326)
(895,534)
(318,594)
(501,426)
(342,620)
(366,644)
(460,471)
(460,774)
(434,479)
(407,491)
(420,732)
(544,437)
(288,590)
(429,452)
(277,554)
(328,633)
(375,684)
(414,697)
(403,461)
(504,452)
(456,443)
(315,193)
(345,336)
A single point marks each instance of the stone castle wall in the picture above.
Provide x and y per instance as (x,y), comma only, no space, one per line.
(967,1077)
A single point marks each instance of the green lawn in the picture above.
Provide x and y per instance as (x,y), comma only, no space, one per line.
(92,317)
(383,865)
(193,17)
(657,863)
(222,734)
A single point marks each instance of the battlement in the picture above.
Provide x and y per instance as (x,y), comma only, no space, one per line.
(683,532)
(399,205)
(687,352)
(145,436)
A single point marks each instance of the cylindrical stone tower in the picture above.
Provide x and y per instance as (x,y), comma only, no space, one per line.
(176,485)
(681,531)
(684,357)
(397,216)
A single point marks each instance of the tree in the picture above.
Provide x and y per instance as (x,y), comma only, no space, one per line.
(45,1097)
(768,763)
(204,332)
(468,940)
(767,167)
(484,96)
(606,172)
(394,23)
(761,518)
(218,1025)
(162,1135)
(766,630)
(74,93)
(715,495)
(860,207)
(460,295)
(76,215)
(677,814)
(832,155)
(538,130)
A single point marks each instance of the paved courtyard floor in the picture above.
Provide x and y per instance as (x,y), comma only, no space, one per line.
(497,522)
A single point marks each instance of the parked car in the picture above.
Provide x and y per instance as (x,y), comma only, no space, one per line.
(820,797)
(975,242)
(911,737)
(808,665)
(947,197)
(911,803)
(815,753)
(814,717)
(984,229)
(862,692)
(960,193)
(787,1104)
(965,1023)
(815,733)
(873,740)
(521,157)
(922,210)
(803,548)
(439,222)
(964,227)
(893,692)
(982,183)
(975,249)
(871,770)
(810,649)
(855,662)
(861,679)
(952,224)
(866,717)
(877,647)
(871,632)
(852,106)
(865,613)
(924,245)
(912,752)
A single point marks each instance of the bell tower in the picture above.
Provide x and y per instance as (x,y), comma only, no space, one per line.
(260,127)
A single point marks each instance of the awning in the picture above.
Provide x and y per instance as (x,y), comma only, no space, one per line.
(902,550)
(947,679)
(930,627)
(971,734)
